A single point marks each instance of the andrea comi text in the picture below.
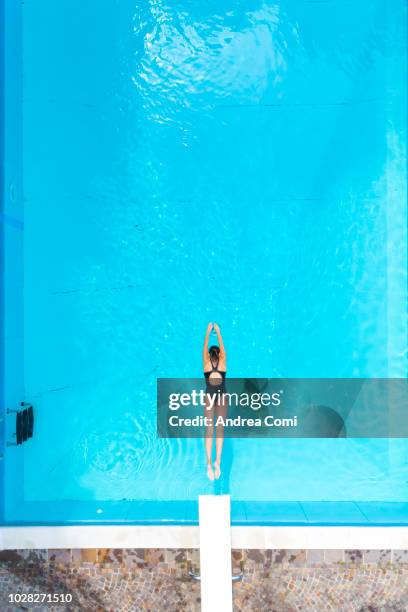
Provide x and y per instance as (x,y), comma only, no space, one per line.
(238,421)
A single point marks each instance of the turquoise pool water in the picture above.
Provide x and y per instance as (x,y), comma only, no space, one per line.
(185,162)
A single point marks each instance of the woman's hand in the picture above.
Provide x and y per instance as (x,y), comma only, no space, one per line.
(217,328)
(209,328)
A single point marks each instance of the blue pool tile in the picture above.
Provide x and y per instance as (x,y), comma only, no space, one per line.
(335,513)
(238,512)
(385,513)
(129,512)
(270,513)
(171,512)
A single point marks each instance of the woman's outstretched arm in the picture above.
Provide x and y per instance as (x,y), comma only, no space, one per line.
(206,357)
(220,340)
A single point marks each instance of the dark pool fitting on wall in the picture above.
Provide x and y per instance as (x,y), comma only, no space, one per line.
(24,424)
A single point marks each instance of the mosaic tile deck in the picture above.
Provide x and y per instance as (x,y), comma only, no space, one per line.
(116,580)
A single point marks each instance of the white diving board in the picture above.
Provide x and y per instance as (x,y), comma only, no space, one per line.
(215,553)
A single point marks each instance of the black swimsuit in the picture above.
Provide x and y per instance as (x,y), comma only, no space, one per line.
(214,387)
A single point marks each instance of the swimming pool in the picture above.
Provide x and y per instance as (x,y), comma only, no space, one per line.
(172,164)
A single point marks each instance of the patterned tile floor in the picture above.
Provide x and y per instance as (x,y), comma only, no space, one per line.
(155,580)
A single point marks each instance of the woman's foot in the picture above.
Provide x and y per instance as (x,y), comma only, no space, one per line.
(210,472)
(217,470)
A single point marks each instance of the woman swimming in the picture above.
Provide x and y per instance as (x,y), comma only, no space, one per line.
(215,371)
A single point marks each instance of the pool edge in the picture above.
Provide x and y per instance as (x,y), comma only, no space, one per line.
(170,536)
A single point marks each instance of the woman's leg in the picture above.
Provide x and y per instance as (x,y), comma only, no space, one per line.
(219,436)
(209,434)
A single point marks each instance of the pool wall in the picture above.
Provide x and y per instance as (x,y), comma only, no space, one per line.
(12,247)
(1,247)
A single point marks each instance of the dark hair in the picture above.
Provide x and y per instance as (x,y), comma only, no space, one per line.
(214,352)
